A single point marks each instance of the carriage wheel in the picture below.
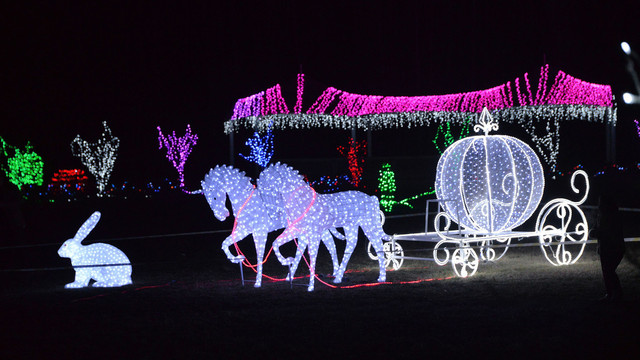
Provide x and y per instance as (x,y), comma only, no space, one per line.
(465,261)
(393,255)
(562,235)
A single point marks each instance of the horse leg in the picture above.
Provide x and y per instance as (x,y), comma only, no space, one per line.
(230,240)
(375,237)
(351,233)
(260,240)
(314,244)
(301,247)
(279,241)
(327,239)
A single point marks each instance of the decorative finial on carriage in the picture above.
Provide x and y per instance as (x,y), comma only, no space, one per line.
(485,123)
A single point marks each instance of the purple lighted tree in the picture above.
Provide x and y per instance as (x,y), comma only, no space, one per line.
(178,149)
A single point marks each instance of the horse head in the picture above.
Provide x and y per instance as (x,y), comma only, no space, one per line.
(215,187)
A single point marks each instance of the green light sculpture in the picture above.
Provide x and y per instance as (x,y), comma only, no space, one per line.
(444,138)
(387,187)
(24,167)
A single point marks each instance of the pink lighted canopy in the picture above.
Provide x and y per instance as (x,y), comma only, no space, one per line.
(567,97)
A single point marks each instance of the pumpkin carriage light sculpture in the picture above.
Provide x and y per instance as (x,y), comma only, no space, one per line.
(488,185)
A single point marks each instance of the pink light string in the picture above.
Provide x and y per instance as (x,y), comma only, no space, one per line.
(269,102)
(565,90)
(298,108)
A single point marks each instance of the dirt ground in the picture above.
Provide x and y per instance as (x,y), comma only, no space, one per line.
(187,302)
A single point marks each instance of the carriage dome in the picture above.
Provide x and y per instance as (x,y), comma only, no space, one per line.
(489,183)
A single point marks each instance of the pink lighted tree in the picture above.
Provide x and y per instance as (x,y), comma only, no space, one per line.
(178,149)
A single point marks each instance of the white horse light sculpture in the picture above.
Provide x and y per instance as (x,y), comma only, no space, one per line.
(251,215)
(104,263)
(309,215)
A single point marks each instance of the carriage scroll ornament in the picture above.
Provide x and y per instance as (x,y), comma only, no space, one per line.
(491,184)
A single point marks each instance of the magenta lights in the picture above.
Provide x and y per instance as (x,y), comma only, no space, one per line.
(565,90)
(178,149)
(538,111)
(267,102)
(298,108)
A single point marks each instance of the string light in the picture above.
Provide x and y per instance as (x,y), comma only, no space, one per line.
(98,157)
(491,183)
(178,149)
(65,180)
(261,148)
(68,187)
(355,156)
(637,127)
(298,108)
(267,102)
(575,168)
(107,265)
(444,138)
(310,215)
(252,216)
(25,167)
(568,98)
(330,184)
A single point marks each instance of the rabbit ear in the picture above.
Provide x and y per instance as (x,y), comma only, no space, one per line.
(88,225)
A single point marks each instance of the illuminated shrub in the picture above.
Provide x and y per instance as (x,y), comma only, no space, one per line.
(24,167)
(68,181)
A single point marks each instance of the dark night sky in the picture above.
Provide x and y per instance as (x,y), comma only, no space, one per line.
(137,65)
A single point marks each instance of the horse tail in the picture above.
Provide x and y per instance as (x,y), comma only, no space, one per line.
(376,205)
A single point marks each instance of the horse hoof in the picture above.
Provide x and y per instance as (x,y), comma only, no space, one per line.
(236,259)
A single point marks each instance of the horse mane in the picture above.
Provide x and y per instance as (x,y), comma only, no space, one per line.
(284,172)
(221,173)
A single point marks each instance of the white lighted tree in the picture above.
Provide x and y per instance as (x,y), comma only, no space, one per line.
(98,157)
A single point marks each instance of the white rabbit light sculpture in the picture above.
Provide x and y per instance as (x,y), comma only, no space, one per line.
(89,261)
